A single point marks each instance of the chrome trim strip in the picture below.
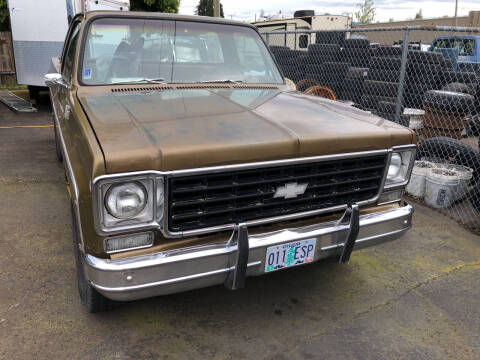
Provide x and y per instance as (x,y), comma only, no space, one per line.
(170,281)
(66,159)
(218,169)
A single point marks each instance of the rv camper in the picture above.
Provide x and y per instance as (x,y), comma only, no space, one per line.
(38,31)
(302,20)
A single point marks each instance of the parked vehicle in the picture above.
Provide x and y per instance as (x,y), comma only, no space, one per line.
(191,163)
(463,50)
(38,31)
(305,20)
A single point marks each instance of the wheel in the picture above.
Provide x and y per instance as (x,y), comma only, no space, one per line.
(448,101)
(453,151)
(448,77)
(317,58)
(387,51)
(426,57)
(353,85)
(323,49)
(386,63)
(321,91)
(357,73)
(380,88)
(470,89)
(371,101)
(91,298)
(303,85)
(388,107)
(356,43)
(58,149)
(384,75)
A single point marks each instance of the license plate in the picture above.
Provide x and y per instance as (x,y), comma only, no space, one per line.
(291,254)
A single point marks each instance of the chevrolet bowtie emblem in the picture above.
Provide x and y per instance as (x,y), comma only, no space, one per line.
(290,190)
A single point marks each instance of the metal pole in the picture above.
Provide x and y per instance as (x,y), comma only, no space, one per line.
(216,8)
(398,109)
(456,11)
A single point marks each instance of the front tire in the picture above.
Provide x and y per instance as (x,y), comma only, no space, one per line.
(91,298)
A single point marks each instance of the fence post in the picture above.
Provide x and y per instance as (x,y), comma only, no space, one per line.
(267,38)
(401,81)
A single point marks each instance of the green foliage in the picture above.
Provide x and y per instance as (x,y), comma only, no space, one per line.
(166,6)
(205,8)
(366,12)
(419,15)
(4,20)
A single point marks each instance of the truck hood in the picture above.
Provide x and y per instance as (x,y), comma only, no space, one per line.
(190,128)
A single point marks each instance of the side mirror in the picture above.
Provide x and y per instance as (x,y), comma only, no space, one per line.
(54,79)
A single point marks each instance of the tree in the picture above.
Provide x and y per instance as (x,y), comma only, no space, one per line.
(366,12)
(205,8)
(419,15)
(167,6)
(4,20)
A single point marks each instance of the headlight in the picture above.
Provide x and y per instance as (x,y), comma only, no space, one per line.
(125,201)
(395,166)
(400,167)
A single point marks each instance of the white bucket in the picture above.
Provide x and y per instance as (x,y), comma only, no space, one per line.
(415,117)
(416,186)
(465,174)
(440,187)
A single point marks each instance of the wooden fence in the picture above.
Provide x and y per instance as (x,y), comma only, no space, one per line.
(7,63)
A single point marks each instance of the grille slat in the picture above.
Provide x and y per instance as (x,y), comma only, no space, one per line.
(235,196)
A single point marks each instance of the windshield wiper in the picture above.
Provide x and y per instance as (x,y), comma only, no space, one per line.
(144,80)
(221,81)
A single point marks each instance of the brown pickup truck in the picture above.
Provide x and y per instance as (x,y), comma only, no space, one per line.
(190,162)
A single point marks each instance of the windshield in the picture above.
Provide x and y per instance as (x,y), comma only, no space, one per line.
(465,46)
(139,50)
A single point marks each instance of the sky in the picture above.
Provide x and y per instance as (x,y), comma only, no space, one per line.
(385,9)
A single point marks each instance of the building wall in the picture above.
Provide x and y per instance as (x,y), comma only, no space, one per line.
(424,36)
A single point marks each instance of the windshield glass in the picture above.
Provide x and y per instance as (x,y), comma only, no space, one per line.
(465,46)
(139,50)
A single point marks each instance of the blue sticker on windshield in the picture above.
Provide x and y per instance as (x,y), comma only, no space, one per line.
(87,74)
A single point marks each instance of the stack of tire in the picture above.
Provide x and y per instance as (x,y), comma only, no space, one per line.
(321,64)
(288,61)
(422,74)
(382,82)
(446,113)
(353,84)
(356,52)
(330,37)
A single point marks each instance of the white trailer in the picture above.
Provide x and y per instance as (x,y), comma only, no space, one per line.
(301,22)
(38,31)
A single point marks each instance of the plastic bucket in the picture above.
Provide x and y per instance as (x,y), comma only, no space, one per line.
(416,186)
(440,187)
(465,174)
(415,117)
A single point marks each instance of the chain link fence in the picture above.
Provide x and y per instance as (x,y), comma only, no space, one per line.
(427,79)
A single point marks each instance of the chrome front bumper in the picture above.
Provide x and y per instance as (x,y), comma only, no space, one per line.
(201,266)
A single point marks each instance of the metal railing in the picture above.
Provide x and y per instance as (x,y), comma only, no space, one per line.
(389,72)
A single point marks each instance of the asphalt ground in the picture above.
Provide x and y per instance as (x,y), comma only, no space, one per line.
(415,298)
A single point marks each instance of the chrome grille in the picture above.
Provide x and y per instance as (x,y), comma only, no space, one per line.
(212,199)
